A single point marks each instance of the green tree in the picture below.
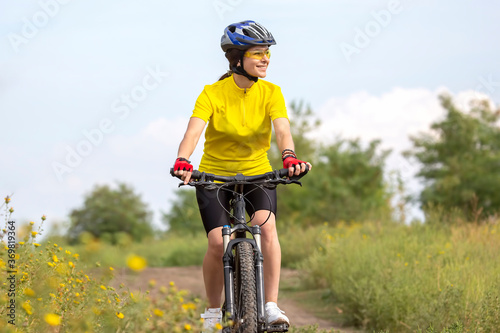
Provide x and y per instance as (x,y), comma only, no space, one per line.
(109,213)
(184,215)
(346,184)
(460,159)
(347,180)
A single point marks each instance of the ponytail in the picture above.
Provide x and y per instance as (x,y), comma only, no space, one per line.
(226,75)
(233,56)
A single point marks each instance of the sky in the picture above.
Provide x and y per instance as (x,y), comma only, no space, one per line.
(95,93)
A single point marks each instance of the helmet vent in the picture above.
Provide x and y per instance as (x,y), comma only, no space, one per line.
(232,29)
(245,32)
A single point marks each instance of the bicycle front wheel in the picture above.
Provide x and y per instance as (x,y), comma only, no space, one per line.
(245,290)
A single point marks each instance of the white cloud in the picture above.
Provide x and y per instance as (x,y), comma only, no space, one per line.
(391,117)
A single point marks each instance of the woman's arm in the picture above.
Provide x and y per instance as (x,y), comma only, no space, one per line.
(188,144)
(285,141)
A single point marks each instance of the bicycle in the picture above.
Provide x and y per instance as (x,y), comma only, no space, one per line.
(243,260)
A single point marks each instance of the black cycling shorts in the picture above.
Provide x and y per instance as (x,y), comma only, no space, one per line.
(212,213)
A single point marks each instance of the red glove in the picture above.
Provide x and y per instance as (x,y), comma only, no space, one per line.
(182,164)
(291,161)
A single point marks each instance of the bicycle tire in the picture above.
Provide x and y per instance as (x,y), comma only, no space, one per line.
(245,290)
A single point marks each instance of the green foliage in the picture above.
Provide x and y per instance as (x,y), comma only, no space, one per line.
(170,250)
(347,180)
(310,329)
(54,292)
(403,278)
(184,215)
(111,214)
(460,160)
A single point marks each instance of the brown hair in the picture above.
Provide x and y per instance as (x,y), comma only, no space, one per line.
(233,56)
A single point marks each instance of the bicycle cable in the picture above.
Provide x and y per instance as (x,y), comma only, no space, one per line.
(257,186)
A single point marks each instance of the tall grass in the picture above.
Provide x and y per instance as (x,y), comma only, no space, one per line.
(45,288)
(170,250)
(405,278)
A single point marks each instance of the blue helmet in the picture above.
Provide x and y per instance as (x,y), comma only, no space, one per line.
(245,34)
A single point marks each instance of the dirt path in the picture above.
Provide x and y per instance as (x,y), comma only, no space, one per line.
(191,278)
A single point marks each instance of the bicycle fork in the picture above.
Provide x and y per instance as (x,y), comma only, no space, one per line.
(240,230)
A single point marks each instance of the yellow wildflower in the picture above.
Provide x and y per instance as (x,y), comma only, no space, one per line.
(32,222)
(29,292)
(52,319)
(187,327)
(120,315)
(7,199)
(34,233)
(111,268)
(158,312)
(136,263)
(189,306)
(36,244)
(218,326)
(70,264)
(103,287)
(54,258)
(27,307)
(21,243)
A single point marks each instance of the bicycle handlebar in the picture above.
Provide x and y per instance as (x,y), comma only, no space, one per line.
(277,176)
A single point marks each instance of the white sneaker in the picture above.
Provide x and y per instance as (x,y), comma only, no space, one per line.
(275,316)
(211,318)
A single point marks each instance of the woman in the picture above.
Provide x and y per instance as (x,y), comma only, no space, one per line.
(239,111)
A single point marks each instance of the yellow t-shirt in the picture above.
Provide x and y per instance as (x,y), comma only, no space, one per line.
(238,134)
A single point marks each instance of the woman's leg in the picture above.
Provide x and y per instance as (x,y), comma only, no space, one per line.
(213,217)
(272,254)
(213,273)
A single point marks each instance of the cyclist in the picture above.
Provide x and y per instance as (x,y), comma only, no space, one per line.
(239,111)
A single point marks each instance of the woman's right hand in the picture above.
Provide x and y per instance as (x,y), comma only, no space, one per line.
(183,168)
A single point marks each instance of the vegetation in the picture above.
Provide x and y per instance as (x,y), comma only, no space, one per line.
(460,160)
(112,215)
(348,179)
(403,278)
(54,294)
(184,216)
(365,269)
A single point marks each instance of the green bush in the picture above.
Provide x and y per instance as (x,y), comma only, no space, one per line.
(404,278)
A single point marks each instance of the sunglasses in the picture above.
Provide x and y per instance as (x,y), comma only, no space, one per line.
(258,54)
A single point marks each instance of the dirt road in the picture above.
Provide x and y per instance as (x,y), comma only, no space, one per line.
(191,278)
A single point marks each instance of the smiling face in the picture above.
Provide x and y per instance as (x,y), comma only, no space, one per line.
(256,60)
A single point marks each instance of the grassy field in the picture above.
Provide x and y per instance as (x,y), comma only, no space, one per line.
(380,277)
(398,278)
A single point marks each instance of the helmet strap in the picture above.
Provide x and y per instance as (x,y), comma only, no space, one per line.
(241,71)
